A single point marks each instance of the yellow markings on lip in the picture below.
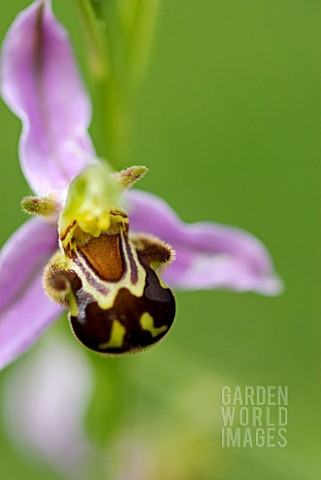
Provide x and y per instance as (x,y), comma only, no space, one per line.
(161,281)
(116,337)
(147,323)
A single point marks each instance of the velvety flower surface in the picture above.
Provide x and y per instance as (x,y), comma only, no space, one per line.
(41,84)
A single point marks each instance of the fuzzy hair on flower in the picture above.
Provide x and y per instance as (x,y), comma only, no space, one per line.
(94,247)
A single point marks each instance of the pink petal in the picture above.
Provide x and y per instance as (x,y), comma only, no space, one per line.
(25,309)
(41,85)
(208,255)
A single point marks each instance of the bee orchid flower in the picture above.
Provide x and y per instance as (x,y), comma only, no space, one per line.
(100,262)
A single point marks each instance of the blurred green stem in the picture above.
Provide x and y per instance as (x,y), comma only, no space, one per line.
(106,412)
(118,35)
(139,45)
(99,63)
(93,30)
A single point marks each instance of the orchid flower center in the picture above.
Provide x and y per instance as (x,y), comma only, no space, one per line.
(107,276)
(91,198)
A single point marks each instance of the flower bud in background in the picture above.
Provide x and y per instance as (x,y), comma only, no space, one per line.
(44,405)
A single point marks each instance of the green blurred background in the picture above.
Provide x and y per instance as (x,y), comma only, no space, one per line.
(228,121)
